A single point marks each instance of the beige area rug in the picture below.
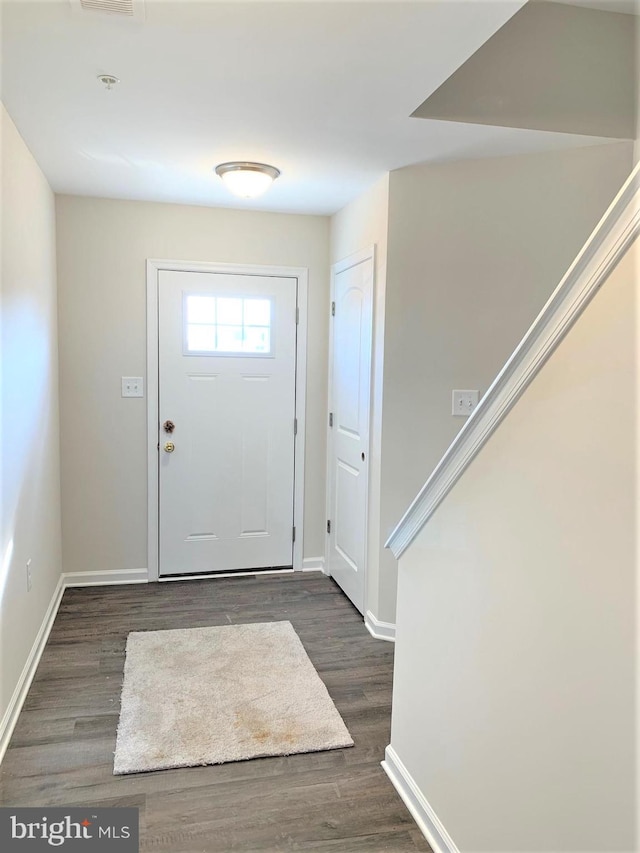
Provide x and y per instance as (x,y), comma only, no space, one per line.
(210,695)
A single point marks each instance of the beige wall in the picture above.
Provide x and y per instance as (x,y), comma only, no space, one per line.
(475,249)
(360,225)
(553,67)
(102,249)
(636,151)
(515,673)
(29,443)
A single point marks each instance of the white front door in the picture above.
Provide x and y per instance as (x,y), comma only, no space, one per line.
(349,423)
(227,366)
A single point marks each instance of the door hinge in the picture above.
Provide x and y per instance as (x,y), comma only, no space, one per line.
(328,526)
(297,316)
(294,535)
(333,309)
(330,419)
(295,426)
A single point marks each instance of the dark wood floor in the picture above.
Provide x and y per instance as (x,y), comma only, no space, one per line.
(339,801)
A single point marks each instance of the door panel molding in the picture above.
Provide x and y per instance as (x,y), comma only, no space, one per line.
(154,267)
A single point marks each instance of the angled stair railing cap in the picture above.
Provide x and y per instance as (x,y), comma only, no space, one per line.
(605,247)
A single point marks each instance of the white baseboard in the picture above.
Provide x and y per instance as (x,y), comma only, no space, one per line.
(67,579)
(380,630)
(428,821)
(313,564)
(117,576)
(16,702)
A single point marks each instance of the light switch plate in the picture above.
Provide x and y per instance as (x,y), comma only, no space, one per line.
(132,386)
(463,402)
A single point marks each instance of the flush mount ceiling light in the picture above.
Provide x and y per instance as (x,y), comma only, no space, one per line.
(247,180)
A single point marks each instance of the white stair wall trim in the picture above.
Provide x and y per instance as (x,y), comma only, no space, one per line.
(428,821)
(607,244)
(380,630)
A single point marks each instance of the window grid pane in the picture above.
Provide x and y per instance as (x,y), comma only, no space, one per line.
(201,338)
(257,339)
(257,312)
(201,309)
(228,325)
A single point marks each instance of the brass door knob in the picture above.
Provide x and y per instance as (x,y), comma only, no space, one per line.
(169,447)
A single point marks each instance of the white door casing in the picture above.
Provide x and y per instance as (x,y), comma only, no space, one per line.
(349,407)
(225,495)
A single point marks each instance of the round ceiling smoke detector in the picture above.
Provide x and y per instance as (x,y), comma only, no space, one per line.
(109,80)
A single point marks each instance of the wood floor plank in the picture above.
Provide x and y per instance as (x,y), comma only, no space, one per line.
(337,801)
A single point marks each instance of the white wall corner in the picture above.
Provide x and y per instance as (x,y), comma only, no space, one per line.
(108,578)
(314,564)
(427,820)
(67,579)
(380,630)
(8,723)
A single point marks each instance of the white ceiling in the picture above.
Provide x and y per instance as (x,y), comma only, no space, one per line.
(322,90)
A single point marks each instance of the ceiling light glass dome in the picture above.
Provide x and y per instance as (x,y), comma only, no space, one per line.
(246,179)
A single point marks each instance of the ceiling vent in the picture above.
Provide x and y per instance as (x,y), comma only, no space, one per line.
(132,10)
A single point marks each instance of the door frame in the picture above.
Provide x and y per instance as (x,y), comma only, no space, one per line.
(154,267)
(340,266)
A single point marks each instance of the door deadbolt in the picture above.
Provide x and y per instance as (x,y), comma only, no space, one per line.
(169,447)
(362,456)
(168,426)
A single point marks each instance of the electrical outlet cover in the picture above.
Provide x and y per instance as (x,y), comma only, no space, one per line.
(132,386)
(463,403)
